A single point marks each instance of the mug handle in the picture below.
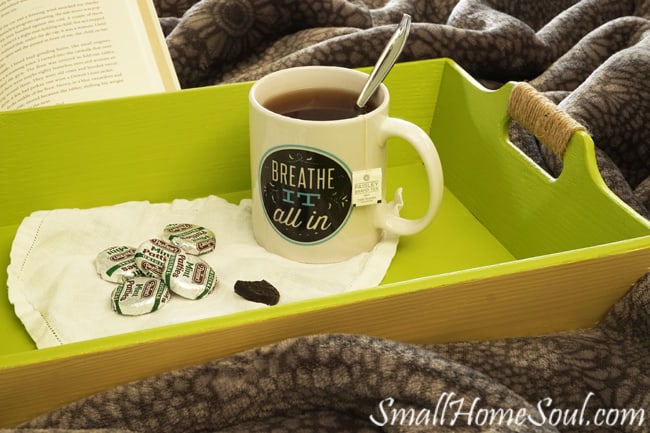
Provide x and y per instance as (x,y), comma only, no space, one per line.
(385,217)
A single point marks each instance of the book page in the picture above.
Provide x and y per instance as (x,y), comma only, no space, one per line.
(58,51)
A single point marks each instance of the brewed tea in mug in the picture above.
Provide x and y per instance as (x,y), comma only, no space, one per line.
(318,165)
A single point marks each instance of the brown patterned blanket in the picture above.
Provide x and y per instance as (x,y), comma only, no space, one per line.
(592,57)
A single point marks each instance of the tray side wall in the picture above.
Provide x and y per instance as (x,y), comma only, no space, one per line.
(512,304)
(530,212)
(152,148)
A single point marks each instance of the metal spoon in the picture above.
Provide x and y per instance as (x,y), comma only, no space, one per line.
(386,61)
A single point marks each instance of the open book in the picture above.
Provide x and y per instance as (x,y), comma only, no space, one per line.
(62,51)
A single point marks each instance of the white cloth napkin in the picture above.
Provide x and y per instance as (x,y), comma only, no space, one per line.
(60,299)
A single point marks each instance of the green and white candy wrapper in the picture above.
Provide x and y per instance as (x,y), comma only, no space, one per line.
(191,238)
(190,277)
(153,256)
(139,295)
(116,263)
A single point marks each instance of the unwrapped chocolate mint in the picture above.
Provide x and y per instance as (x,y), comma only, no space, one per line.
(258,291)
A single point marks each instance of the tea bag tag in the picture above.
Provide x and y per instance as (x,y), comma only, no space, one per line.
(366,187)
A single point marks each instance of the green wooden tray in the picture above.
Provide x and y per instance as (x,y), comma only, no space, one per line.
(512,251)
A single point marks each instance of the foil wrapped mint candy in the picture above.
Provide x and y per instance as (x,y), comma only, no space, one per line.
(190,277)
(191,238)
(153,256)
(139,295)
(117,263)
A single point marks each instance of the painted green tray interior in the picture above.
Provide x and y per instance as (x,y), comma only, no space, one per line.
(498,206)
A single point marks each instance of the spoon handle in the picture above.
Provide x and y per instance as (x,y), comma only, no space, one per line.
(386,61)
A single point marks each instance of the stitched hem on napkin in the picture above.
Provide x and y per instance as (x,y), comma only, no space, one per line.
(60,299)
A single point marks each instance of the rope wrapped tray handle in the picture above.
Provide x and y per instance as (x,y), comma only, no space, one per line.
(539,115)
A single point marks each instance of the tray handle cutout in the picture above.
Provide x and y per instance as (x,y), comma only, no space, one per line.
(542,117)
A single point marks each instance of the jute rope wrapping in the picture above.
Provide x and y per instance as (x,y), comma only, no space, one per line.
(542,117)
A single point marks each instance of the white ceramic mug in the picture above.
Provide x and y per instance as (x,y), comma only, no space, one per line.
(318,186)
